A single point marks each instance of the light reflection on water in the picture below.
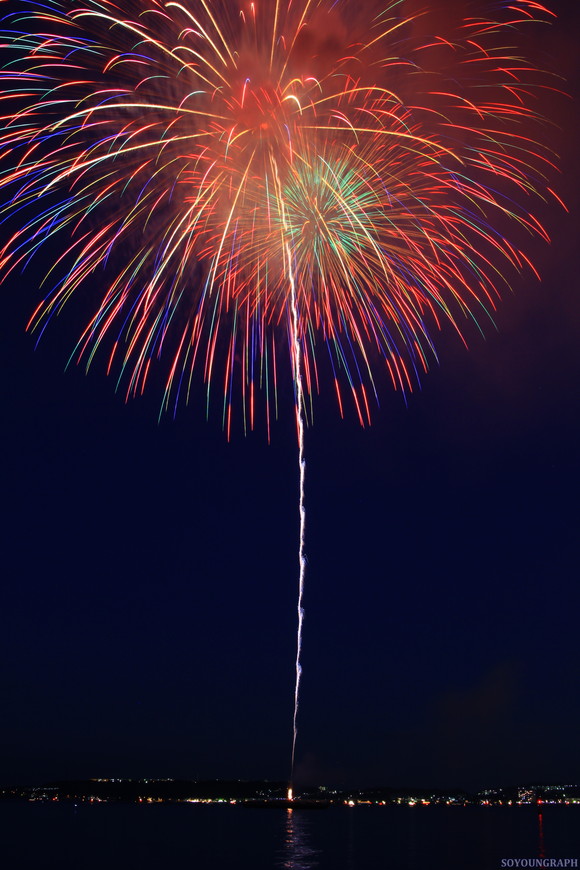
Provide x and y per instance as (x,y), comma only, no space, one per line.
(297,853)
(150,837)
(541,848)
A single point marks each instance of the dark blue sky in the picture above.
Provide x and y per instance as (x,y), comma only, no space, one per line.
(148,609)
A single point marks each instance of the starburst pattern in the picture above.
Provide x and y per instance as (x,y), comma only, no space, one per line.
(195,160)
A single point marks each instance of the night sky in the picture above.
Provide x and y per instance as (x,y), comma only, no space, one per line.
(148,609)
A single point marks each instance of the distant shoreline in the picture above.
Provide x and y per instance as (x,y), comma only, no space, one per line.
(255,792)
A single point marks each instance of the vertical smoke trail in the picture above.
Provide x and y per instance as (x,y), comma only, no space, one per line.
(296,361)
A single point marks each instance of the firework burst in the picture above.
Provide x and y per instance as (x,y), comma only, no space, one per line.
(196,160)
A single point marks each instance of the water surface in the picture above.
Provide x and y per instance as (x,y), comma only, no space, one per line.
(223,837)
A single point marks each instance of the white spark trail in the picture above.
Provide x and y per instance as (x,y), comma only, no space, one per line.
(297,365)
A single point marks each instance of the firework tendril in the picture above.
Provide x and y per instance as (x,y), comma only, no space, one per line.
(190,161)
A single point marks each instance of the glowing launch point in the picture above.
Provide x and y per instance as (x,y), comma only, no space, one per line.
(290,794)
